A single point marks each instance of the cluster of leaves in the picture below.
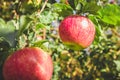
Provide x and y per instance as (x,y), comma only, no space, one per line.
(32,24)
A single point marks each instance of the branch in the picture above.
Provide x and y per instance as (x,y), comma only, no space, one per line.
(39,12)
(44,34)
(114,32)
(43,7)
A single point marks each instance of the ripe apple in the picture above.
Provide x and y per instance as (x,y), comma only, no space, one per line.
(77,32)
(28,64)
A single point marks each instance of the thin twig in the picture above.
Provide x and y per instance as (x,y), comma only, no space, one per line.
(44,33)
(43,7)
(117,34)
(39,12)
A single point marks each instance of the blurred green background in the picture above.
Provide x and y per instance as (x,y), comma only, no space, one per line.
(25,23)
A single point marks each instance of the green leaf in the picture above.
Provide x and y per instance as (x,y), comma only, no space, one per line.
(39,43)
(40,25)
(7,32)
(117,65)
(47,17)
(91,7)
(110,14)
(2,21)
(62,9)
(72,3)
(23,24)
(44,44)
(97,27)
(79,6)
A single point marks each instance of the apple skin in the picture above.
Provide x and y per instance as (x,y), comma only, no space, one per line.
(28,64)
(77,32)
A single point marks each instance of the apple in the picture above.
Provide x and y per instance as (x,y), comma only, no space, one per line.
(77,32)
(29,63)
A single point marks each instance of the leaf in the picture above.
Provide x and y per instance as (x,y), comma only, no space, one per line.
(4,46)
(47,17)
(2,21)
(72,3)
(117,65)
(97,27)
(39,43)
(28,7)
(40,25)
(110,14)
(91,7)
(44,44)
(79,6)
(62,9)
(7,32)
(23,24)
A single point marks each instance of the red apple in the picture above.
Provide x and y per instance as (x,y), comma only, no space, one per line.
(77,32)
(28,64)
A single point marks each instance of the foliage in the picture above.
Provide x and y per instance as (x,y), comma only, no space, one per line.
(25,23)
